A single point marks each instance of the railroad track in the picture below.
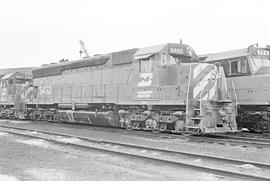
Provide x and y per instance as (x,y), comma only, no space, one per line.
(210,164)
(235,140)
(250,136)
(244,140)
(223,139)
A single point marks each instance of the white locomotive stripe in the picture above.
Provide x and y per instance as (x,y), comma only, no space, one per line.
(205,97)
(200,86)
(211,93)
(197,70)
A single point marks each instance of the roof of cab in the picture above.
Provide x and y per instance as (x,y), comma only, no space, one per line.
(7,76)
(224,55)
(148,51)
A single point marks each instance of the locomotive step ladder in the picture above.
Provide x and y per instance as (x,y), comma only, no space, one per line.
(197,112)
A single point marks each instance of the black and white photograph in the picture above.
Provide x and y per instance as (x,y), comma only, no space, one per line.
(135,90)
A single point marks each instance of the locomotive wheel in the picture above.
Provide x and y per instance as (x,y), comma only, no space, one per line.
(198,132)
(135,125)
(195,131)
(122,124)
(162,126)
(156,128)
(31,116)
(152,125)
(126,124)
(54,118)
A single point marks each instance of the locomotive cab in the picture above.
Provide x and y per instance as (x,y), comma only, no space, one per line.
(170,75)
(158,66)
(12,88)
(248,70)
(9,84)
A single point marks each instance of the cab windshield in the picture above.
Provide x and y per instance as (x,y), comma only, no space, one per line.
(260,62)
(169,59)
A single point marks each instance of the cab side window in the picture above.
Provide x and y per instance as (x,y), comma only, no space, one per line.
(10,82)
(237,67)
(146,65)
(244,66)
(168,60)
(234,67)
(35,91)
(3,84)
(163,59)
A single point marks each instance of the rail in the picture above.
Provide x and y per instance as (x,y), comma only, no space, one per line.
(218,138)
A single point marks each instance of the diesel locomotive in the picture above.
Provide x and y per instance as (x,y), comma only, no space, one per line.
(249,70)
(158,88)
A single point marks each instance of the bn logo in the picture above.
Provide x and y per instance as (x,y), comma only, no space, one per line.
(145,79)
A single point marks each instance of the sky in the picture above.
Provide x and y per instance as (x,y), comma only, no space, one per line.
(36,32)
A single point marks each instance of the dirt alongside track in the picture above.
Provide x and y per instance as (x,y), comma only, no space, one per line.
(34,160)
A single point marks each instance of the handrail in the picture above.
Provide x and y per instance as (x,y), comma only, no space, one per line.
(188,88)
(234,91)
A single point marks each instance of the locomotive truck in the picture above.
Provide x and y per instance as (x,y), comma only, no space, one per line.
(158,88)
(249,70)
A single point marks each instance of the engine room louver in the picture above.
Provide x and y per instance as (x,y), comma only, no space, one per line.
(123,57)
(56,69)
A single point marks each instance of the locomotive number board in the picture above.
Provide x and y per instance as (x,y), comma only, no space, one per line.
(262,53)
(176,50)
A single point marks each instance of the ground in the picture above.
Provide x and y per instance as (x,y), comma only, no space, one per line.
(32,159)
